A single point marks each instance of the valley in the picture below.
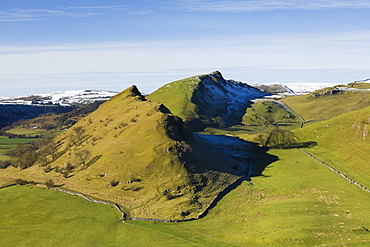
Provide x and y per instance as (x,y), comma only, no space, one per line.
(168,155)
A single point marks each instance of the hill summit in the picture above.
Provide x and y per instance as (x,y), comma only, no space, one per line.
(136,153)
(208,98)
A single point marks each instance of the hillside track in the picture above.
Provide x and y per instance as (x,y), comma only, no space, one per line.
(336,171)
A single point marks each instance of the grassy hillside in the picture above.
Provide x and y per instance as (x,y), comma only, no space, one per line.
(209,98)
(343,143)
(177,97)
(294,202)
(326,103)
(267,112)
(132,152)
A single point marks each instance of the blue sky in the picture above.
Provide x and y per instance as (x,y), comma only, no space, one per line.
(50,45)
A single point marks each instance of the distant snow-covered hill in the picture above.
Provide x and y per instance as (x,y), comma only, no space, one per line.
(278,88)
(63,98)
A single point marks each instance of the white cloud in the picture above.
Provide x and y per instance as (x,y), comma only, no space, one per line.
(333,51)
(266,5)
(255,58)
(73,11)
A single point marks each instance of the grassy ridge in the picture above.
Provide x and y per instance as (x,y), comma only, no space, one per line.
(177,97)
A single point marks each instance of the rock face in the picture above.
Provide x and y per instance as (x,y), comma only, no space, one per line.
(274,88)
(135,153)
(209,98)
(327,91)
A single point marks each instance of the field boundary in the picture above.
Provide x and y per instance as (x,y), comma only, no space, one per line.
(336,171)
(92,200)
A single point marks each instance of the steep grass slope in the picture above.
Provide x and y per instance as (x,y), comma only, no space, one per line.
(135,153)
(343,143)
(208,97)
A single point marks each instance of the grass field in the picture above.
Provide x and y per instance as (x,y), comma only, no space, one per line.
(31,216)
(343,143)
(28,132)
(295,202)
(9,143)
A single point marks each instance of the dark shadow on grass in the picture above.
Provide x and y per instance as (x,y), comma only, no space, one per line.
(260,161)
(57,185)
(305,144)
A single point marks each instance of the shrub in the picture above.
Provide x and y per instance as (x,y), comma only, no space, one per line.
(5,164)
(277,138)
(21,181)
(113,183)
(49,183)
(48,169)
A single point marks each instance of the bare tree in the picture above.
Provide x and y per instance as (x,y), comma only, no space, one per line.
(83,156)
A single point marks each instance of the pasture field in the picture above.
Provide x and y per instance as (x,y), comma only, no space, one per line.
(294,201)
(343,143)
(9,143)
(32,216)
(28,132)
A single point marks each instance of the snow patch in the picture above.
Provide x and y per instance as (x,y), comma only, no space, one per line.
(62,98)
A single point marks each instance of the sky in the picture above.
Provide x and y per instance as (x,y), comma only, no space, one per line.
(54,45)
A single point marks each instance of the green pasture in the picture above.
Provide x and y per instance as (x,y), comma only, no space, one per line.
(294,202)
(291,200)
(9,143)
(28,132)
(33,216)
(343,143)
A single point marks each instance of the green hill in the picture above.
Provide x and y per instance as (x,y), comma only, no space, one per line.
(135,153)
(343,143)
(209,98)
(330,102)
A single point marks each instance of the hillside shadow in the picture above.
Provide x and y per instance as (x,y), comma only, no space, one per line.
(228,154)
(260,161)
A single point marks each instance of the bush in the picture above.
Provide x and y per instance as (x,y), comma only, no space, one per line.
(5,164)
(49,183)
(277,138)
(48,169)
(113,183)
(21,181)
